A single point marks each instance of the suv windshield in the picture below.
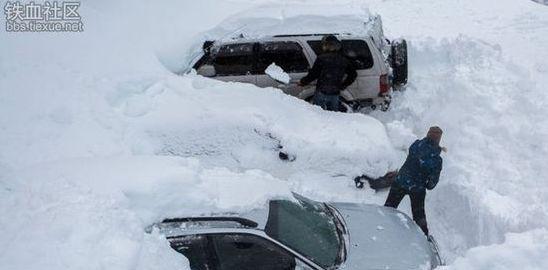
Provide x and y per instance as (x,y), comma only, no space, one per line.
(307,227)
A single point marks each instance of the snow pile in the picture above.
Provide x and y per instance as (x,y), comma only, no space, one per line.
(95,150)
(277,73)
(488,150)
(287,19)
(519,251)
(91,213)
(180,149)
(190,117)
(470,76)
(57,223)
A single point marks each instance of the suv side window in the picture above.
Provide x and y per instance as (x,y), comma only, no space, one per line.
(316,46)
(249,252)
(234,59)
(358,51)
(355,49)
(286,54)
(195,248)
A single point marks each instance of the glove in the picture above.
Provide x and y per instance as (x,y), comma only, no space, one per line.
(359,182)
(430,185)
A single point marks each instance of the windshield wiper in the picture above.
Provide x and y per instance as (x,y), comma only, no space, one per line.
(341,257)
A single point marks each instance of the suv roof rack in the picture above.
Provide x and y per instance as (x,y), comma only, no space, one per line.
(242,221)
(314,35)
(307,35)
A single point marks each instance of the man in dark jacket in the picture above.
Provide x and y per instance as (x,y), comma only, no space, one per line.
(334,73)
(420,171)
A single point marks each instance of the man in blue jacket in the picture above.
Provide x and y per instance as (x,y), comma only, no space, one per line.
(420,171)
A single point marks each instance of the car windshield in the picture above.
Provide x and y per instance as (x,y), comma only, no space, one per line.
(307,227)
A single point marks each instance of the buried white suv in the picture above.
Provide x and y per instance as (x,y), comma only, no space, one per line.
(300,233)
(381,64)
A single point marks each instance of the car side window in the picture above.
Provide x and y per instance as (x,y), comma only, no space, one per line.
(286,54)
(316,46)
(234,59)
(355,49)
(195,248)
(249,252)
(358,51)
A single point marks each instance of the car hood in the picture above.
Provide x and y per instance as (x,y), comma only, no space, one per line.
(383,238)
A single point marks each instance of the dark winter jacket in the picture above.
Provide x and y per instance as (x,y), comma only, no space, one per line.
(422,167)
(330,70)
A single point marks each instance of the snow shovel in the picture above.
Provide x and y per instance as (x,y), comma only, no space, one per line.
(377,184)
(278,74)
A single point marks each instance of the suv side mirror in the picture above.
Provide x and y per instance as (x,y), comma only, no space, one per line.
(207,71)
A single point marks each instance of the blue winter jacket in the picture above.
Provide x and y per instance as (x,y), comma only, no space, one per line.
(422,167)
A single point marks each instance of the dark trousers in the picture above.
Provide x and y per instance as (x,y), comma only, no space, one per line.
(327,102)
(395,196)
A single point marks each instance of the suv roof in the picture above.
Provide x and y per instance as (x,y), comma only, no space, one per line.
(298,19)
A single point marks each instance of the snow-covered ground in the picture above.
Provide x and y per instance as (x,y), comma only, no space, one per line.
(99,138)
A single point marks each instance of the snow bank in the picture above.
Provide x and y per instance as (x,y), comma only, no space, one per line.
(100,140)
(91,213)
(519,251)
(486,90)
(57,223)
(191,117)
(489,139)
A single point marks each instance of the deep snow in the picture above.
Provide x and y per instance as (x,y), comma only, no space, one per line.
(99,138)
